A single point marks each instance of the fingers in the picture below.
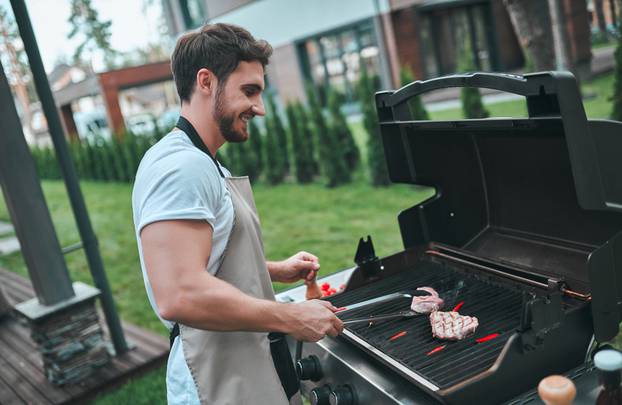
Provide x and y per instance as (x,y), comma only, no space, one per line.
(328,305)
(334,332)
(307,256)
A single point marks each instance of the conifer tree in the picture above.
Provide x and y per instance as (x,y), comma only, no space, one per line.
(343,134)
(332,164)
(280,132)
(274,163)
(255,140)
(247,160)
(616,113)
(375,151)
(302,164)
(417,110)
(472,105)
(306,133)
(231,155)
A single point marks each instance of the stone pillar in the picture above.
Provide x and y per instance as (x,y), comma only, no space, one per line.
(68,335)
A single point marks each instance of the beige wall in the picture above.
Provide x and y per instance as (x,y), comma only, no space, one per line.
(285,73)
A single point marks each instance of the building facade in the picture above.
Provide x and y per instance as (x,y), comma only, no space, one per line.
(327,42)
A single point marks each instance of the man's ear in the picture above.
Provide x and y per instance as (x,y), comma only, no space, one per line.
(206,81)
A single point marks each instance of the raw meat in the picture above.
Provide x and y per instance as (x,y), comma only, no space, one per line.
(427,303)
(452,325)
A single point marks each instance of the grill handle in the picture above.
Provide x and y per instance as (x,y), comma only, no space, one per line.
(542,90)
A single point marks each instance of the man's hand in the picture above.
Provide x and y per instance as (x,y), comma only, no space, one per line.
(301,266)
(310,321)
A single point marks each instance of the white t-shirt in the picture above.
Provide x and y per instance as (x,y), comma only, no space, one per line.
(176,180)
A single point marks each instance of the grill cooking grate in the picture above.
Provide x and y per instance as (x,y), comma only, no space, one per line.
(498,309)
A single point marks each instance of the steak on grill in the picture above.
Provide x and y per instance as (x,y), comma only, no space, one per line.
(428,303)
(452,325)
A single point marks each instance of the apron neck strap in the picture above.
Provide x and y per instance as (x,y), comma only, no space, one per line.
(188,128)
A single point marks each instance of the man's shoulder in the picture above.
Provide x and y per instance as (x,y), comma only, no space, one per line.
(175,153)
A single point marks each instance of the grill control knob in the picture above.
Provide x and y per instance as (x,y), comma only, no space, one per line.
(319,395)
(309,368)
(343,395)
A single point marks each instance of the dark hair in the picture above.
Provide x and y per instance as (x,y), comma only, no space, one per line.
(217,47)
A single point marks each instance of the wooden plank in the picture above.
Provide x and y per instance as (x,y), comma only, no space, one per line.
(7,395)
(28,357)
(23,378)
(151,350)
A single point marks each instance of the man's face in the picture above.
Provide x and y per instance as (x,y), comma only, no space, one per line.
(239,100)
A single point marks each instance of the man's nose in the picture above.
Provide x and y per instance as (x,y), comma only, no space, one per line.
(258,108)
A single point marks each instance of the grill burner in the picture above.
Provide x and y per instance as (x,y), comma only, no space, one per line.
(497,307)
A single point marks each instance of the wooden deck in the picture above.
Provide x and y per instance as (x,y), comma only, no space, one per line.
(21,370)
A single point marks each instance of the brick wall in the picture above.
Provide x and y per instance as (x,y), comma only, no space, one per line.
(406,34)
(285,73)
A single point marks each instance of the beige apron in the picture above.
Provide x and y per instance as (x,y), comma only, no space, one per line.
(237,367)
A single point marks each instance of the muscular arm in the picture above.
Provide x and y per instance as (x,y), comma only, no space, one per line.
(176,254)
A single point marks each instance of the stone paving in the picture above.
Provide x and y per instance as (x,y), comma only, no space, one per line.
(8,242)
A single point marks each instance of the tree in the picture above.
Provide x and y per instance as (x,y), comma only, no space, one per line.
(600,19)
(472,106)
(308,138)
(280,132)
(94,34)
(376,161)
(342,133)
(532,24)
(302,164)
(616,112)
(417,110)
(12,54)
(273,152)
(332,164)
(255,140)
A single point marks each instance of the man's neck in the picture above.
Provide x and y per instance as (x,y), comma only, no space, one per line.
(205,125)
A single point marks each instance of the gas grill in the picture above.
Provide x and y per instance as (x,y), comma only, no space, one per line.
(523,233)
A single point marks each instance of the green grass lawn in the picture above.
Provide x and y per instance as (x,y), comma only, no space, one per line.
(327,222)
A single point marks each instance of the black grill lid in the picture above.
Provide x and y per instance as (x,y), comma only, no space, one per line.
(542,193)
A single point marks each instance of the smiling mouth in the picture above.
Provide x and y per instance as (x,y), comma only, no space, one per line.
(246,117)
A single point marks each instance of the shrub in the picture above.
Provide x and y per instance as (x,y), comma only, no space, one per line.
(376,162)
(332,164)
(303,164)
(342,133)
(279,131)
(472,105)
(417,110)
(273,152)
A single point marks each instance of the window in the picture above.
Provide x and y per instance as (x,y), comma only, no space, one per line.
(446,32)
(334,60)
(192,12)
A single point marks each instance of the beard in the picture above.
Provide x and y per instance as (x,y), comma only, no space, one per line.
(226,120)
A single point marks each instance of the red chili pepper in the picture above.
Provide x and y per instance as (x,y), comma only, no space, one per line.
(325,287)
(457,307)
(487,338)
(436,350)
(397,335)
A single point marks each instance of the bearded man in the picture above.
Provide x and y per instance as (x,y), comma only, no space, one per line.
(200,243)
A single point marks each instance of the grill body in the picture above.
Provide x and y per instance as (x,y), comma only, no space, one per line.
(524,227)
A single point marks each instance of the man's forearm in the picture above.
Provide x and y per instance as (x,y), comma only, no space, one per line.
(207,302)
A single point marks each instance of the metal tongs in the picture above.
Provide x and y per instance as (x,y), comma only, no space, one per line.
(382,317)
(380,300)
